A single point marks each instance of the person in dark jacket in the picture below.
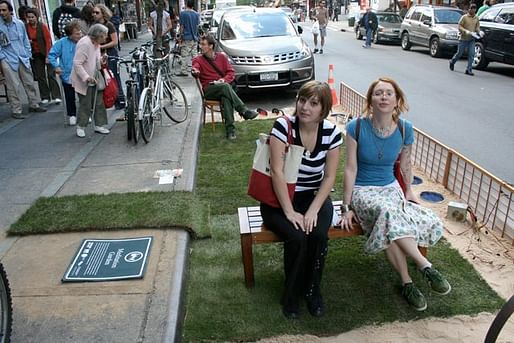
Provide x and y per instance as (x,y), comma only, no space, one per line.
(369,21)
(62,16)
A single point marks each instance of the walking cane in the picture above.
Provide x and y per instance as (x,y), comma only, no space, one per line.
(61,89)
(93,109)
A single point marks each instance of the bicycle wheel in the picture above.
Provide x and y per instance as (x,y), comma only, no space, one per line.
(6,307)
(174,102)
(146,122)
(132,124)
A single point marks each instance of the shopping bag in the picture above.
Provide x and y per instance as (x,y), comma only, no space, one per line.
(260,186)
(111,88)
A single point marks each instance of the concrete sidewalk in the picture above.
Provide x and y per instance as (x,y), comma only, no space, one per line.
(42,157)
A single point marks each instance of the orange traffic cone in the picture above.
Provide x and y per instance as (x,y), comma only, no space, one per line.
(331,84)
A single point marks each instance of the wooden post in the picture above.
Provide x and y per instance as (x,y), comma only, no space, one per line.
(447,166)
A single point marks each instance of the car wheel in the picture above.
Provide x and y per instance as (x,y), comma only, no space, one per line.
(406,41)
(375,37)
(479,61)
(358,33)
(435,47)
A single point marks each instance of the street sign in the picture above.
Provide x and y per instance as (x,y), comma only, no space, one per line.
(109,259)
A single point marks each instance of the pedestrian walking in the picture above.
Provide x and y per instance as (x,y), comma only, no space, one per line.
(469,30)
(41,43)
(167,26)
(370,22)
(15,54)
(61,58)
(62,16)
(322,17)
(87,81)
(189,21)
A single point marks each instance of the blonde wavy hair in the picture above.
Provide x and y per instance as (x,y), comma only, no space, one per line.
(106,12)
(400,108)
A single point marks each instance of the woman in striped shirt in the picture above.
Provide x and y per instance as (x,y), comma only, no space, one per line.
(303,223)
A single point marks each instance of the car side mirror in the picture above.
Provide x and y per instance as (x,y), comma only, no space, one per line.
(300,30)
(427,22)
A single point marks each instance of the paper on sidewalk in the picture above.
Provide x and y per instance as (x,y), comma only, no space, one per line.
(167,176)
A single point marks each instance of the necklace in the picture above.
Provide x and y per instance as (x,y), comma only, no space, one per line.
(381,132)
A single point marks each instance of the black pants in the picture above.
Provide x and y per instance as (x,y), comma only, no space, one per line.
(304,255)
(44,75)
(69,95)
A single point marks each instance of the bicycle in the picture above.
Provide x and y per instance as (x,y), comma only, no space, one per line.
(160,95)
(136,67)
(5,307)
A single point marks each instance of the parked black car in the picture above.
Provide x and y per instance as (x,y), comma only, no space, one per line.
(497,45)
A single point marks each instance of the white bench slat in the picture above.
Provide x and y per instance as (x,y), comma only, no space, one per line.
(244,224)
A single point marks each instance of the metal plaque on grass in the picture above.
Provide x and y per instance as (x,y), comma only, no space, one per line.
(109,259)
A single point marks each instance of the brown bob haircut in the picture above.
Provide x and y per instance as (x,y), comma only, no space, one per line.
(319,90)
(400,97)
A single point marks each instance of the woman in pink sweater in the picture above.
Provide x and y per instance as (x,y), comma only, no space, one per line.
(84,78)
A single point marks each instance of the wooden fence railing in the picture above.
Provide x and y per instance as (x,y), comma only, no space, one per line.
(490,197)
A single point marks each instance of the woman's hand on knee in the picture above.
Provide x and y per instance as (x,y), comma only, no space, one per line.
(347,220)
(297,219)
(310,221)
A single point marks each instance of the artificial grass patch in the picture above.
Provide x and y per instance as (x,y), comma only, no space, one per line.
(114,211)
(358,289)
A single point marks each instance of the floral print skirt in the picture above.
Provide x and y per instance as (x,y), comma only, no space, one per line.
(385,216)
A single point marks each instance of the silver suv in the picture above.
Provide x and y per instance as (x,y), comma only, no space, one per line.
(265,49)
(435,27)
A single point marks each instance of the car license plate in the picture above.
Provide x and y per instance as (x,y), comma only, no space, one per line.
(269,76)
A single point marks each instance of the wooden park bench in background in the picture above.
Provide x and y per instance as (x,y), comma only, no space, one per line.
(253,231)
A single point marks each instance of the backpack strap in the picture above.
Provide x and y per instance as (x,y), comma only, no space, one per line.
(401,126)
(357,129)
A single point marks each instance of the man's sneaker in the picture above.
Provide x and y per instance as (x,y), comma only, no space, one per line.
(414,297)
(249,114)
(37,109)
(315,51)
(57,101)
(73,120)
(231,136)
(321,51)
(436,281)
(102,130)
(469,72)
(45,101)
(80,132)
(452,66)
(19,116)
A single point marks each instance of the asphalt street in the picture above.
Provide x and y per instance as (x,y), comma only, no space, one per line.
(473,115)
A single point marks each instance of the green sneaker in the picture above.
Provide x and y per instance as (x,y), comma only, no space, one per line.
(436,281)
(414,297)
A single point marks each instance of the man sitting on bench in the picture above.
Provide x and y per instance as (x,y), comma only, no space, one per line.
(216,74)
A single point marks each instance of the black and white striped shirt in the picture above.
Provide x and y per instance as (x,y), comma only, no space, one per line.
(312,168)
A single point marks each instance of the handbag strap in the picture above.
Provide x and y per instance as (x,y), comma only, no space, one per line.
(211,62)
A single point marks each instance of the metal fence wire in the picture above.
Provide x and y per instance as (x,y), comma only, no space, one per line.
(490,197)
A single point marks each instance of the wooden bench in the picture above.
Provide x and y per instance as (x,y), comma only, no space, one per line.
(253,231)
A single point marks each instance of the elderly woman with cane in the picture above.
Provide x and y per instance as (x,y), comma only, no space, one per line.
(87,79)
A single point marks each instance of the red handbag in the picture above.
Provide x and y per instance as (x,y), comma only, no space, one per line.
(260,186)
(111,88)
(396,168)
